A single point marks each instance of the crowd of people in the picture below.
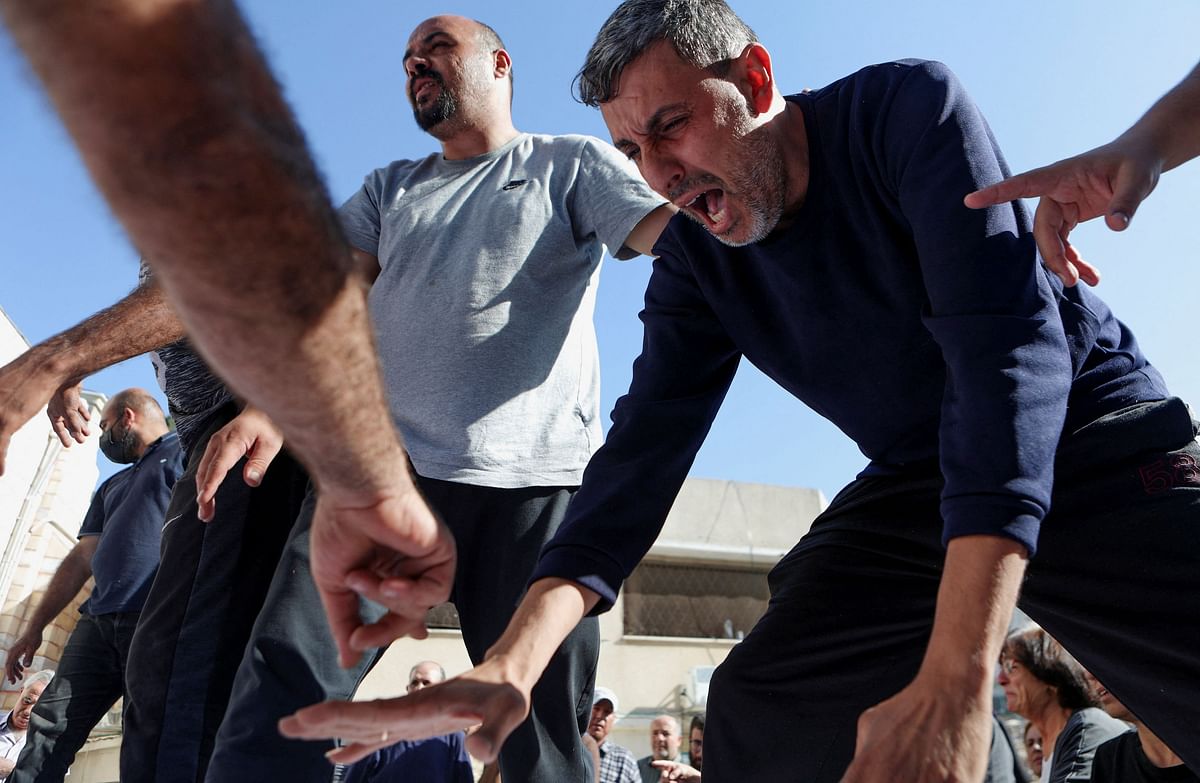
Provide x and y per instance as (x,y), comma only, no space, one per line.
(405,391)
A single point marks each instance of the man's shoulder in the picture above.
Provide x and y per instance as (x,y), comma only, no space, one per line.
(897,71)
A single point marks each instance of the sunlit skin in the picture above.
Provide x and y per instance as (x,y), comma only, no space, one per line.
(444,63)
(602,721)
(664,738)
(729,151)
(19,720)
(423,675)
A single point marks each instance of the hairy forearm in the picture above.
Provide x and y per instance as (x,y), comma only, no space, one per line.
(187,135)
(1172,125)
(979,587)
(68,580)
(141,322)
(549,612)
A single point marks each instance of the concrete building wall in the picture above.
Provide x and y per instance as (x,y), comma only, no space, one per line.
(711,523)
(44,495)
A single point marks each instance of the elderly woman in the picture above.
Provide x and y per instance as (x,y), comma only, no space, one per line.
(1045,685)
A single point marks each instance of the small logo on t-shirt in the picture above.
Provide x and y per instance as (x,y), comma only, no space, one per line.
(514,184)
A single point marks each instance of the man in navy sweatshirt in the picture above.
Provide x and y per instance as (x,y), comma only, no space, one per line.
(1003,416)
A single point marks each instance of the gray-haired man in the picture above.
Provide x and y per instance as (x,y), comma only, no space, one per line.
(829,244)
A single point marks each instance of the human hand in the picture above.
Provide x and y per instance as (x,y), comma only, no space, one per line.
(6,767)
(69,414)
(26,384)
(930,732)
(1111,181)
(491,694)
(674,770)
(20,654)
(251,434)
(393,551)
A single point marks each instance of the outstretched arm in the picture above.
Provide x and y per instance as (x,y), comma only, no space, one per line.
(186,133)
(496,693)
(50,371)
(1111,180)
(68,580)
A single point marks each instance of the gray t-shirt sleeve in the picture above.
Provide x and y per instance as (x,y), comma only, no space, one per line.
(360,214)
(610,197)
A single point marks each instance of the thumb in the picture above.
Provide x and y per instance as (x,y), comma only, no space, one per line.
(259,458)
(1130,189)
(486,741)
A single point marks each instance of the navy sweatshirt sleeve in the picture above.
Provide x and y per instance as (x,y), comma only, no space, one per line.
(991,310)
(679,381)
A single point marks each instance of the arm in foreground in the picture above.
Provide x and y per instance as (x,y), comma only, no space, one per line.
(68,580)
(495,693)
(1111,180)
(939,727)
(50,372)
(186,133)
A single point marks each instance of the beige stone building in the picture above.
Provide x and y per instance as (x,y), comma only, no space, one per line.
(44,495)
(700,589)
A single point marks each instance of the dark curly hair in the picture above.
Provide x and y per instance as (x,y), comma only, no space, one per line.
(1049,662)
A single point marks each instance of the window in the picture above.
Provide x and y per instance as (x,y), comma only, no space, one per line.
(694,601)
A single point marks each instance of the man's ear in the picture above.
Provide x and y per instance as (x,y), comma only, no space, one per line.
(758,80)
(501,64)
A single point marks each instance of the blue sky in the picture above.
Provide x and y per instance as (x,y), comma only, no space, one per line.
(1053,78)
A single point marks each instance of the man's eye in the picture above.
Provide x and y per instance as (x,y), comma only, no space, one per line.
(674,124)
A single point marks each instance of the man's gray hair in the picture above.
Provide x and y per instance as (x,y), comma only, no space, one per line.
(45,675)
(705,33)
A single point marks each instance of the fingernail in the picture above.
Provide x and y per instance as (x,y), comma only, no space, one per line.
(1122,218)
(254,476)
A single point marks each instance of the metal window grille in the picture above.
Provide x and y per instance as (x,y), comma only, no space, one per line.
(443,616)
(694,601)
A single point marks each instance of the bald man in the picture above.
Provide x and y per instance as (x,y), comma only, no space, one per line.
(665,740)
(118,545)
(483,259)
(435,760)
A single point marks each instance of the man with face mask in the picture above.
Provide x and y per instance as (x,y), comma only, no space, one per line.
(119,545)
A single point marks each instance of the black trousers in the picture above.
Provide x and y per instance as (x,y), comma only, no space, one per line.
(1116,579)
(86,685)
(211,583)
(292,662)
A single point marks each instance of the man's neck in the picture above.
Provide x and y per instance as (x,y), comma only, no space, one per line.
(476,141)
(150,439)
(1155,749)
(791,134)
(1052,721)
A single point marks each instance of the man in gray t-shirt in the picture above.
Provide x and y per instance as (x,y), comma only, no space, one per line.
(484,259)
